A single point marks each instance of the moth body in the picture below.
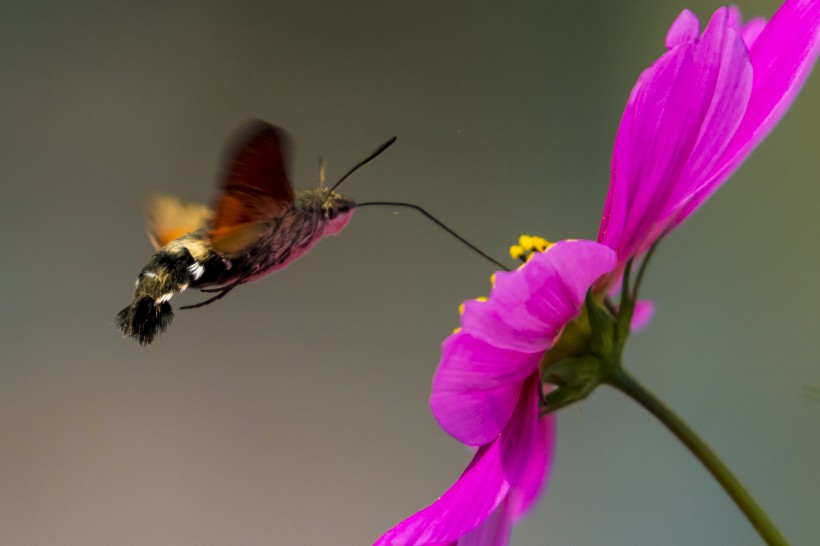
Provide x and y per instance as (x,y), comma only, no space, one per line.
(260,225)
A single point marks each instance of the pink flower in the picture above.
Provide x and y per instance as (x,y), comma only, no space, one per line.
(698,112)
(690,121)
(486,393)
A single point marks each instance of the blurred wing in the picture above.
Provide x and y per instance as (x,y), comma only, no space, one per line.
(255,188)
(170,218)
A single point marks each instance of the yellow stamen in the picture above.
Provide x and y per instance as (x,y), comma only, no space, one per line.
(527,246)
(541,244)
(525,241)
(516,252)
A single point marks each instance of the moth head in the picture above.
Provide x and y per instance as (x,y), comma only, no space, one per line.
(336,210)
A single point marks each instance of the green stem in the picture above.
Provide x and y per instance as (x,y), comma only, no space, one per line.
(642,270)
(625,309)
(624,382)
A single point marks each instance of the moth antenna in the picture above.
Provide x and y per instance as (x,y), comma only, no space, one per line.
(439,223)
(364,161)
(322,169)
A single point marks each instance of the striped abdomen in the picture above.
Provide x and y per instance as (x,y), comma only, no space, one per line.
(171,270)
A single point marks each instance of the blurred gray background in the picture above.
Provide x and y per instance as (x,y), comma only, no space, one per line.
(295,411)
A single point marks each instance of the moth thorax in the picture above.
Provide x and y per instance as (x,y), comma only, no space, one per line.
(330,208)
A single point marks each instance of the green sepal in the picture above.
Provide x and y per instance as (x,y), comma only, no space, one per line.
(575,379)
(602,328)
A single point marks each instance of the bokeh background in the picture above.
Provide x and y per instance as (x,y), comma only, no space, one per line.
(295,411)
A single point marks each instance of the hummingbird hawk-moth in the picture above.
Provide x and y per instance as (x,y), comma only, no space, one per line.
(259,224)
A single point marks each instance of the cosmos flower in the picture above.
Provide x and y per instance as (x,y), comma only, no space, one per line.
(696,114)
(690,121)
(486,393)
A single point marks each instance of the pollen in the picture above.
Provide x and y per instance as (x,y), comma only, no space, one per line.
(541,244)
(527,246)
(517,252)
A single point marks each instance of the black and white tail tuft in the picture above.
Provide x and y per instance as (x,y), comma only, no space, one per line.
(145,319)
(150,314)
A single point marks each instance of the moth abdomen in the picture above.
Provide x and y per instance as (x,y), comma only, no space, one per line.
(171,270)
(145,319)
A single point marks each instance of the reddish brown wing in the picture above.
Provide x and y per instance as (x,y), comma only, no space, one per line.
(255,188)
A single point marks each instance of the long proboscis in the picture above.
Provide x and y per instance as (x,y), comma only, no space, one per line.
(440,224)
(363,162)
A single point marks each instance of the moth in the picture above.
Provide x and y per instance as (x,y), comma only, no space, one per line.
(259,224)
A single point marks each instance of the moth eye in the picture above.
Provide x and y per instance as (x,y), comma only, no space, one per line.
(331,213)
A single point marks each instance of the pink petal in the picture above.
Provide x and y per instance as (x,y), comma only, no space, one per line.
(503,339)
(708,105)
(685,29)
(526,456)
(749,30)
(520,436)
(782,57)
(477,386)
(642,315)
(506,325)
(643,137)
(561,277)
(460,510)
(679,119)
(723,53)
(734,18)
(495,531)
(534,470)
(752,30)
(480,490)
(527,308)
